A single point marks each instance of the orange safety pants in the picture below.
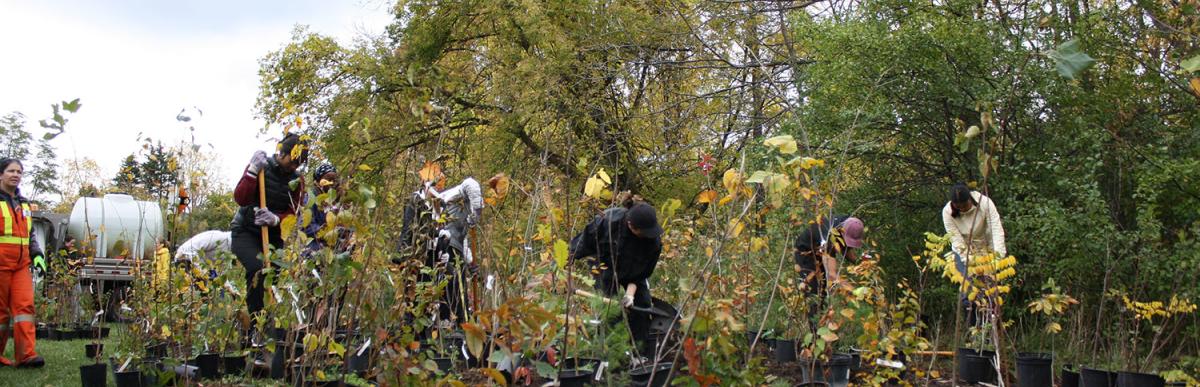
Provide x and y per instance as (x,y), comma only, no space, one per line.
(16,315)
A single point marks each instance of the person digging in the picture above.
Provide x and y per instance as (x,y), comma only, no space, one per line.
(623,245)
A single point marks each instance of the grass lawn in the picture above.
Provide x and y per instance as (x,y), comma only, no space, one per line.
(63,359)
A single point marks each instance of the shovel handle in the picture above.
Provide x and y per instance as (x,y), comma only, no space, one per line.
(262,203)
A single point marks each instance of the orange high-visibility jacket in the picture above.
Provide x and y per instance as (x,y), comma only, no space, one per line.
(15,232)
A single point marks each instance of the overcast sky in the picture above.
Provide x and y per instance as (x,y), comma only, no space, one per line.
(136,64)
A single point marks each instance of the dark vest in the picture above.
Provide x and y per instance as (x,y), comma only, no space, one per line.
(279,200)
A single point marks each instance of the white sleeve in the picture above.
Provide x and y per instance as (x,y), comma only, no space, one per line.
(957,244)
(451,194)
(995,226)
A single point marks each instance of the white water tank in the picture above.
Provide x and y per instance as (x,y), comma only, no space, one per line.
(116,218)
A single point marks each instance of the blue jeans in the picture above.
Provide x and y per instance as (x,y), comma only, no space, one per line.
(968,306)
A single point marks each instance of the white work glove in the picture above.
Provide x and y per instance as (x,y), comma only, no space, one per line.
(257,162)
(627,301)
(264,217)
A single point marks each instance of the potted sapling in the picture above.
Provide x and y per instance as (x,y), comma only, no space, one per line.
(1037,368)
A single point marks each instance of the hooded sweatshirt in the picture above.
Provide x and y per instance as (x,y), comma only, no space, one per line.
(978,230)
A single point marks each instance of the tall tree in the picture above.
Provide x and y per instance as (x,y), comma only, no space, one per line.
(38,156)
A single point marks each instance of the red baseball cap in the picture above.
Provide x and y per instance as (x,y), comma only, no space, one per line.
(852,232)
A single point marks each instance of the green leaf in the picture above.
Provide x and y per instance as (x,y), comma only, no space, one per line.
(1070,60)
(560,253)
(336,348)
(1191,65)
(758,177)
(545,370)
(72,106)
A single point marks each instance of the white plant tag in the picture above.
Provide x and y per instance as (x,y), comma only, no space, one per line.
(275,292)
(363,348)
(600,370)
(889,363)
(491,280)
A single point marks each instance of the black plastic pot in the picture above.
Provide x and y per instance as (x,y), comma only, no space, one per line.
(42,332)
(1070,377)
(94,375)
(444,364)
(1136,379)
(1096,378)
(83,332)
(129,379)
(1035,369)
(91,351)
(642,376)
(580,363)
(570,377)
(62,334)
(233,364)
(359,364)
(209,365)
(785,350)
(975,366)
(855,364)
(813,384)
(836,371)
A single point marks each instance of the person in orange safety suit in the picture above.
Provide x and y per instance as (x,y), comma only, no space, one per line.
(18,251)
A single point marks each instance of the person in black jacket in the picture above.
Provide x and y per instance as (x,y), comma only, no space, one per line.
(821,246)
(246,235)
(624,244)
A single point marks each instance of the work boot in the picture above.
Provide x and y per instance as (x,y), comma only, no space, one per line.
(33,362)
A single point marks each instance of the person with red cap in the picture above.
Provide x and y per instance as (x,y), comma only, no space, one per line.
(822,245)
(18,251)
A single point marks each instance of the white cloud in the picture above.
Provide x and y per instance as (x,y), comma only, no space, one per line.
(135,77)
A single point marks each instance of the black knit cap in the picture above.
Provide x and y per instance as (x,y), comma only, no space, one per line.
(643,217)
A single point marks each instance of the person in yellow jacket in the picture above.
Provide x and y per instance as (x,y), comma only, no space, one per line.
(162,265)
(18,251)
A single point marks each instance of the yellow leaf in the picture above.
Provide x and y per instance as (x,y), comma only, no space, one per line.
(829,336)
(560,253)
(736,227)
(1195,86)
(784,144)
(475,338)
(287,224)
(364,168)
(725,200)
(731,180)
(594,187)
(706,197)
(603,176)
(847,313)
(166,331)
(496,376)
(757,244)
